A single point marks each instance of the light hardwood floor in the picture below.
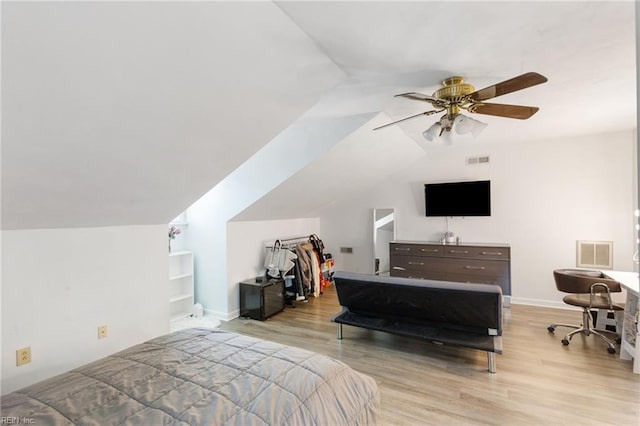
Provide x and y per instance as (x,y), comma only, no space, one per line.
(538,380)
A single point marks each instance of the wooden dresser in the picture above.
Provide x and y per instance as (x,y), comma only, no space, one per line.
(467,263)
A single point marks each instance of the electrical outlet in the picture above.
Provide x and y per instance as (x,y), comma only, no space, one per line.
(23,356)
(102,331)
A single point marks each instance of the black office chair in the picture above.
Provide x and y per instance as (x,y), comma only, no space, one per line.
(588,290)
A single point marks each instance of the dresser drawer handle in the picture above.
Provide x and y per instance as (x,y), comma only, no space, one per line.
(398,268)
(475,267)
(402,249)
(492,253)
(429,250)
(415,263)
(459,251)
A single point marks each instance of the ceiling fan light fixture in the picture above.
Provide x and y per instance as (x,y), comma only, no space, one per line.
(464,125)
(431,133)
(446,137)
(478,127)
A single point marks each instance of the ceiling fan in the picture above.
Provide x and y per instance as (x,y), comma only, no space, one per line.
(455,95)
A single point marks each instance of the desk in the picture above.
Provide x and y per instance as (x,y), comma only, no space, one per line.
(630,345)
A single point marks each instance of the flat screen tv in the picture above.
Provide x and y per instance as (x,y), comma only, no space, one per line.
(458,198)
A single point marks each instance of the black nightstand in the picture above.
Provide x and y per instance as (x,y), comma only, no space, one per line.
(261,297)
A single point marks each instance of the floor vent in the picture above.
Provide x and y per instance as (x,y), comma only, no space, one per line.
(594,254)
(483,159)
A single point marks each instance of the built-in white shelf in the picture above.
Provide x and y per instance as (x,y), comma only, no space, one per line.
(180,297)
(180,284)
(177,277)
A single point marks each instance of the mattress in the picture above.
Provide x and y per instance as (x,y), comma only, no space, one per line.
(202,377)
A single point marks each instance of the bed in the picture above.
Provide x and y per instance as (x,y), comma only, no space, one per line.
(202,377)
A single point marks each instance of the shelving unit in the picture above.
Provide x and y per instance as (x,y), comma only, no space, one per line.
(630,344)
(180,284)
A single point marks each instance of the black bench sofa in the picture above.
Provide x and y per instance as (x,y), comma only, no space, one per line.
(443,312)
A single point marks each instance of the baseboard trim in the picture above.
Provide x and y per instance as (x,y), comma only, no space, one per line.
(223,316)
(539,302)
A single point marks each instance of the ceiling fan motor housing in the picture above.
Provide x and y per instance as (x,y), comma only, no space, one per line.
(454,89)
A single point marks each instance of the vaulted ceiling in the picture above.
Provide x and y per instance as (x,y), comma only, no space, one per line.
(585,49)
(125,113)
(117,113)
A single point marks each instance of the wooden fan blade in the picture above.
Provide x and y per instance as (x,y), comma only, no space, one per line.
(503,110)
(436,102)
(418,97)
(517,83)
(408,118)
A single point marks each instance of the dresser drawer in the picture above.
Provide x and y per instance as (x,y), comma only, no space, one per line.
(406,273)
(416,249)
(448,276)
(494,269)
(478,279)
(415,262)
(492,253)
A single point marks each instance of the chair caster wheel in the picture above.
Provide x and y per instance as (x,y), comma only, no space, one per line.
(611,350)
(565,342)
(551,329)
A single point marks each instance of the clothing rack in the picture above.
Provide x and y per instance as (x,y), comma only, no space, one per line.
(288,242)
(297,239)
(305,270)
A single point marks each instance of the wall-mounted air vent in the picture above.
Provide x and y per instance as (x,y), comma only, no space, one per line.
(594,254)
(482,159)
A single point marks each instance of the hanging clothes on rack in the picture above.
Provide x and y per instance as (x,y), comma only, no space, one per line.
(314,266)
(278,260)
(318,248)
(272,258)
(305,268)
(302,263)
(328,269)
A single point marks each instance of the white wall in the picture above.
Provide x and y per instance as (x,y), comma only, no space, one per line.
(59,285)
(246,243)
(280,159)
(545,196)
(192,88)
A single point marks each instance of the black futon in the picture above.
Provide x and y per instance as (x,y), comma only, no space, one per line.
(461,314)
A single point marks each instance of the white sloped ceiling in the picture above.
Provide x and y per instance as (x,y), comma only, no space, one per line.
(585,49)
(126,113)
(118,113)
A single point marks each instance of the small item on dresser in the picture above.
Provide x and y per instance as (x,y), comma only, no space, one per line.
(450,237)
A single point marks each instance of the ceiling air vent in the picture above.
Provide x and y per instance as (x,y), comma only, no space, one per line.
(483,159)
(594,254)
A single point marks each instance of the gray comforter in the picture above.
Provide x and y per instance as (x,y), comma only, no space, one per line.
(202,377)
